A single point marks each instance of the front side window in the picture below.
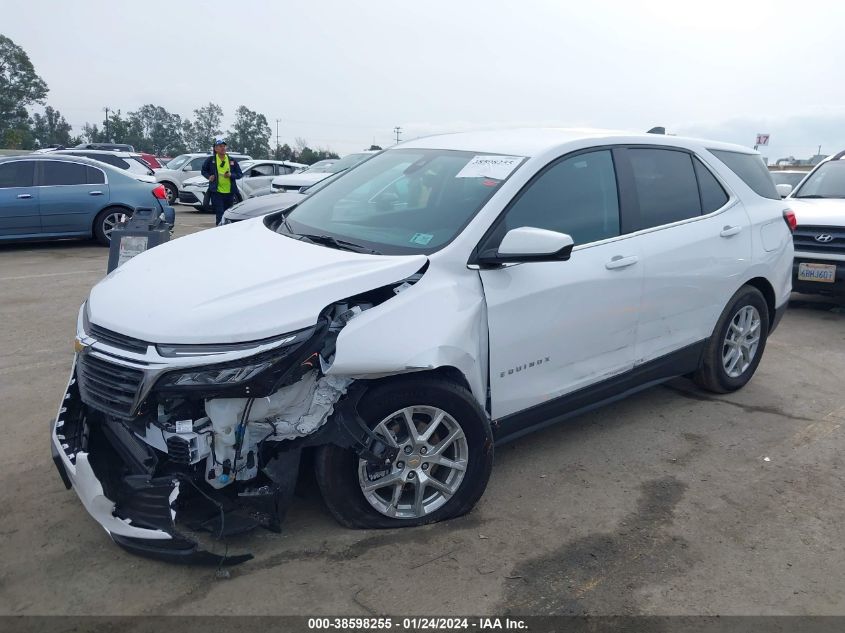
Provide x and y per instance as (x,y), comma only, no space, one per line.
(827,181)
(283,170)
(260,170)
(751,170)
(576,196)
(56,173)
(18,173)
(403,201)
(666,186)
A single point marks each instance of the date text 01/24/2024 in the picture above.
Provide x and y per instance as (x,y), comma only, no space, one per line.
(417,624)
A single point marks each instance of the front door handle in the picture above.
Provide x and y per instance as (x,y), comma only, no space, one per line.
(621,262)
(728,231)
(24,196)
(95,193)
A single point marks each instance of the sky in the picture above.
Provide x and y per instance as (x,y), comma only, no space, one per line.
(342,74)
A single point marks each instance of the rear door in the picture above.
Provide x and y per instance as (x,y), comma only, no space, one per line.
(18,199)
(70,196)
(696,245)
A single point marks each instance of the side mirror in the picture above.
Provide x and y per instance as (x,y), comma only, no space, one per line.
(529,244)
(784,190)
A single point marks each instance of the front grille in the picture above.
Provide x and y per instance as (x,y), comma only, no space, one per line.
(106,386)
(804,239)
(115,339)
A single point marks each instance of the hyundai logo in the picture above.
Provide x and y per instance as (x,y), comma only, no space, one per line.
(824,238)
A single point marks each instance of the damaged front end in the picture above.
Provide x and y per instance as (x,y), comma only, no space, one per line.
(167,443)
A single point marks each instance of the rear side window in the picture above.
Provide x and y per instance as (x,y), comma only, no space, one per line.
(16,174)
(713,196)
(283,170)
(60,173)
(751,170)
(576,196)
(666,186)
(196,164)
(94,176)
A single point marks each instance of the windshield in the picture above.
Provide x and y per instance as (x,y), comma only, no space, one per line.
(787,178)
(827,181)
(177,162)
(403,201)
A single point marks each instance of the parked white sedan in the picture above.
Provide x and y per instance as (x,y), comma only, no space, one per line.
(258,174)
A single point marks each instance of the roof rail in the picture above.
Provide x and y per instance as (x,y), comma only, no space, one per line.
(839,155)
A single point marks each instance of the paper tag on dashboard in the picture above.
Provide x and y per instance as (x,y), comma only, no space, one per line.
(184,426)
(496,167)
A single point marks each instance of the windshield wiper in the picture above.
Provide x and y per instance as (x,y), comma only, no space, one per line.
(328,240)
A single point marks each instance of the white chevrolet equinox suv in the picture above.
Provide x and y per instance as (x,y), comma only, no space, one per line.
(447,295)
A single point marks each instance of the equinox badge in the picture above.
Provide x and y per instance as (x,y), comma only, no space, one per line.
(524,367)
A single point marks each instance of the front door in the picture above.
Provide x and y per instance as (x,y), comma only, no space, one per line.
(18,199)
(556,327)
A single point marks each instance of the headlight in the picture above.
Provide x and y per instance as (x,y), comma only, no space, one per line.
(267,355)
(222,376)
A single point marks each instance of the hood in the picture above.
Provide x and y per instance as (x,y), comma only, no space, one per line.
(239,282)
(199,181)
(818,211)
(255,207)
(300,180)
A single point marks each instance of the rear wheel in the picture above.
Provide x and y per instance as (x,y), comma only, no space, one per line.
(172,193)
(442,468)
(106,221)
(736,347)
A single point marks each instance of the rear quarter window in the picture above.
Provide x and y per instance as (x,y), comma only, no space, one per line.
(751,170)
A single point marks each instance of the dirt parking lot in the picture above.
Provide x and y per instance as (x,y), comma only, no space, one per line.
(672,502)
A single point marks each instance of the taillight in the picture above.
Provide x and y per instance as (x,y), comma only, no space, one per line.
(160,193)
(790,219)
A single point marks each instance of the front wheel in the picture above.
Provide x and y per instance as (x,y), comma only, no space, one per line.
(172,193)
(736,346)
(442,468)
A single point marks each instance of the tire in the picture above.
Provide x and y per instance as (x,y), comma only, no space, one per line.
(341,474)
(172,193)
(105,222)
(729,361)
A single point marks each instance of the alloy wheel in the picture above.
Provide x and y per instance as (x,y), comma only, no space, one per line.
(741,341)
(428,469)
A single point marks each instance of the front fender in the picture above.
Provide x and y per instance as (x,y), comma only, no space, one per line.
(441,321)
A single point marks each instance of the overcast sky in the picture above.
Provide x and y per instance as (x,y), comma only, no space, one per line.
(342,74)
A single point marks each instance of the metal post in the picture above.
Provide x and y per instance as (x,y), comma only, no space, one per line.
(106,109)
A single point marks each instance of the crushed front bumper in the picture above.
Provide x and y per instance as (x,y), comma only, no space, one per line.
(138,512)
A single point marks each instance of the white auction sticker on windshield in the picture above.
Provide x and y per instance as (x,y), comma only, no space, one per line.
(496,167)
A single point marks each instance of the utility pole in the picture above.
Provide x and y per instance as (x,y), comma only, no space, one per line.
(277,138)
(106,110)
(397,131)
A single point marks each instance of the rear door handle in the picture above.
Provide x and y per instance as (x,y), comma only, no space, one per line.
(95,193)
(728,231)
(24,196)
(621,262)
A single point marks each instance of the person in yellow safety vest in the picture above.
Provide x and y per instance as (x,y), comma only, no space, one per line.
(221,172)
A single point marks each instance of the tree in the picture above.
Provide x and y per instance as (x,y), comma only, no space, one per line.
(285,152)
(250,134)
(304,154)
(20,86)
(51,128)
(375,148)
(200,134)
(157,130)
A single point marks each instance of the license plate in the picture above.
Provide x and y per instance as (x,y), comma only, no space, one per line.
(825,273)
